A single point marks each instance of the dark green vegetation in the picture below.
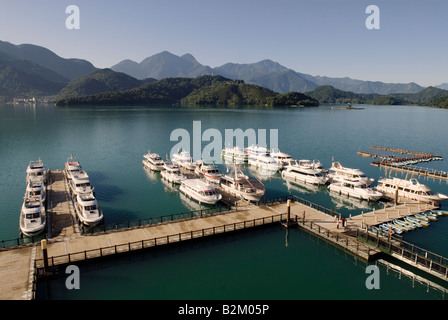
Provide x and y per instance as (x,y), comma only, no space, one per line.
(98,81)
(427,97)
(204,90)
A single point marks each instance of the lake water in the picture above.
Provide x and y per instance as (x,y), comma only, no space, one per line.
(110,143)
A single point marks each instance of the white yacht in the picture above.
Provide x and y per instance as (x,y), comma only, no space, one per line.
(200,191)
(153,161)
(87,209)
(209,171)
(264,161)
(184,159)
(355,189)
(242,186)
(283,159)
(38,170)
(409,189)
(338,173)
(80,183)
(235,154)
(172,173)
(304,174)
(254,151)
(35,190)
(315,164)
(72,168)
(32,217)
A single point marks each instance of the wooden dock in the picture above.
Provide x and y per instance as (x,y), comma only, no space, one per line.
(20,266)
(412,170)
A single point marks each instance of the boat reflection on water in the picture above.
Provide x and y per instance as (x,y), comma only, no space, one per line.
(302,187)
(263,174)
(344,202)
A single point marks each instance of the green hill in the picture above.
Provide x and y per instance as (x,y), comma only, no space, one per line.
(329,94)
(215,90)
(99,81)
(440,102)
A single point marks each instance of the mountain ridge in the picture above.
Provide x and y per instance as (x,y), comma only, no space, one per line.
(266,73)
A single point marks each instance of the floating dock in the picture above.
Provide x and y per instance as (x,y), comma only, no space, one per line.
(21,266)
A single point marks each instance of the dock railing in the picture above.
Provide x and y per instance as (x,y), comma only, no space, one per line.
(155,242)
(414,255)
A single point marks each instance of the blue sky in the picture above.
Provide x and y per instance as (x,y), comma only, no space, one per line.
(318,37)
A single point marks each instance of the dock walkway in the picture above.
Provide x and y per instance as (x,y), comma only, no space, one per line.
(20,265)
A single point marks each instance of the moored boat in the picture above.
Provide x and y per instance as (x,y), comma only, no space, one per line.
(409,189)
(184,159)
(35,189)
(209,171)
(80,183)
(172,173)
(37,170)
(200,191)
(72,167)
(338,173)
(153,161)
(87,209)
(242,186)
(304,174)
(283,159)
(32,217)
(355,189)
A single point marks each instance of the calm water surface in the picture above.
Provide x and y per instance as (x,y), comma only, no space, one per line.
(110,142)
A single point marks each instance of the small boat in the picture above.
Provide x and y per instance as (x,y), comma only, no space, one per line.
(80,183)
(153,161)
(200,191)
(421,217)
(355,189)
(413,222)
(35,189)
(394,228)
(32,217)
(403,225)
(87,209)
(37,170)
(338,173)
(410,189)
(417,220)
(440,212)
(431,216)
(242,186)
(72,168)
(304,174)
(172,173)
(184,159)
(209,171)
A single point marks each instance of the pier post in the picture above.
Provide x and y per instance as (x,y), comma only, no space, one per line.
(43,245)
(288,211)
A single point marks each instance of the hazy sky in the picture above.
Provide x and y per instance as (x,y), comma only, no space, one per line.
(318,37)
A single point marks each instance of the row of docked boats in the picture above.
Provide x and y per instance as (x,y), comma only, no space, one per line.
(419,220)
(82,193)
(207,179)
(33,212)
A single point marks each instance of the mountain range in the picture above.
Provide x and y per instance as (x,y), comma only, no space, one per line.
(266,73)
(29,70)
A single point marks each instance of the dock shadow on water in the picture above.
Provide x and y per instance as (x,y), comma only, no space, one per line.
(171,272)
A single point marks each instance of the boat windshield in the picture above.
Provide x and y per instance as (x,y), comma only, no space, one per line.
(91,208)
(32,215)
